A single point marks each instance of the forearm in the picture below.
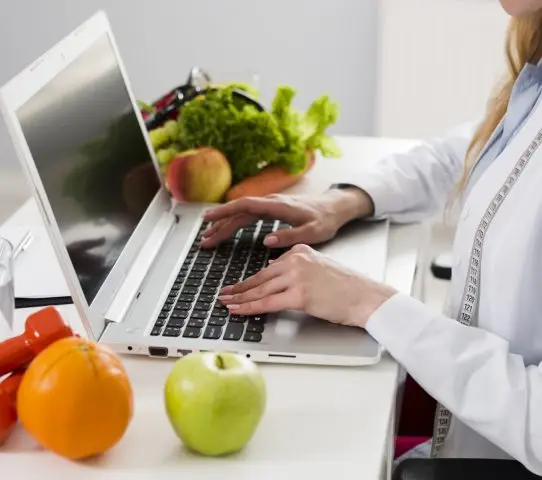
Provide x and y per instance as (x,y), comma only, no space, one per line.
(414,185)
(470,371)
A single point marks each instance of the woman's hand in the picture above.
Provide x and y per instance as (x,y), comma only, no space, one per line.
(314,219)
(305,280)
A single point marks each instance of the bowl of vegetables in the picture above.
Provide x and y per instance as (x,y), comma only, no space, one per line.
(207,132)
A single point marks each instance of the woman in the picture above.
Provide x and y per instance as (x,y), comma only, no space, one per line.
(486,374)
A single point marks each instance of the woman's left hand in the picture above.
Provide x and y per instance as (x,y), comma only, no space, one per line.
(305,280)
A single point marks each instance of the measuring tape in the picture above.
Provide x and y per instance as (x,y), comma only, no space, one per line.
(470,298)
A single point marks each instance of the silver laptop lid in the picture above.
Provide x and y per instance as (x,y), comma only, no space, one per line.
(81,140)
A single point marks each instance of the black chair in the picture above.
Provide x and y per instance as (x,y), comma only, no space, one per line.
(461,469)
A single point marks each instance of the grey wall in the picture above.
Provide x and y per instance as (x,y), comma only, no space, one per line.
(315,45)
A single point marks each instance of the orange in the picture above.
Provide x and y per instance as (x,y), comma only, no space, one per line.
(75,398)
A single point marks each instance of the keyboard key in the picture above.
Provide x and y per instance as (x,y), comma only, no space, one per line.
(175,322)
(156,331)
(220,311)
(217,268)
(196,322)
(204,306)
(196,275)
(200,265)
(170,301)
(234,331)
(209,290)
(252,337)
(171,332)
(231,280)
(258,319)
(186,298)
(255,328)
(238,318)
(218,321)
(206,298)
(220,261)
(211,282)
(193,282)
(189,290)
(213,333)
(215,275)
(167,307)
(160,322)
(192,332)
(176,289)
(163,315)
(199,314)
(205,254)
(183,306)
(236,269)
(179,314)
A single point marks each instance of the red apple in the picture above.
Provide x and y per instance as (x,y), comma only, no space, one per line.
(199,175)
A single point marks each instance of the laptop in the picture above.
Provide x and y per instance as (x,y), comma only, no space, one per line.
(129,252)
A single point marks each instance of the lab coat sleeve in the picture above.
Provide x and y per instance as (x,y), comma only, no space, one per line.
(468,370)
(412,186)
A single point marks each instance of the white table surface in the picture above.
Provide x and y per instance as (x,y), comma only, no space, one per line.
(321,422)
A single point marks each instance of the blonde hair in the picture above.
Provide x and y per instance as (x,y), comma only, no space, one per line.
(523,45)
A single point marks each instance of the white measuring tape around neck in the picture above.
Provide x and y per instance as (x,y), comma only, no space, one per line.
(471,293)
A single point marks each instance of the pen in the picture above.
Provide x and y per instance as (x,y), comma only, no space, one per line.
(23,245)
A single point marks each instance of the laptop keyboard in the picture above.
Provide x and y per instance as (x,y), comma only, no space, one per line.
(192,310)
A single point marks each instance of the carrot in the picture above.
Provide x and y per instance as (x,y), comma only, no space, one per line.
(270,180)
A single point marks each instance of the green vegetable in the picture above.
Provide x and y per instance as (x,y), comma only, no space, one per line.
(251,139)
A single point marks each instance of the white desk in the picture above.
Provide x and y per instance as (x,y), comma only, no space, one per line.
(321,422)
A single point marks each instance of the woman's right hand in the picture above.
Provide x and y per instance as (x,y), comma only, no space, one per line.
(314,218)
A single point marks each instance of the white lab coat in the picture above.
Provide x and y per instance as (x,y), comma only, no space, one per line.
(488,376)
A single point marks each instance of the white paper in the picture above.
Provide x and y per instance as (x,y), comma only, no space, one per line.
(37,271)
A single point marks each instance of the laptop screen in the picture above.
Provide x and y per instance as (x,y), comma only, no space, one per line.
(93,161)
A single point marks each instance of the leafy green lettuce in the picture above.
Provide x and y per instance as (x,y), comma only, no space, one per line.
(251,139)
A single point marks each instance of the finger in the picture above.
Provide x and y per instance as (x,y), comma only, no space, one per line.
(286,300)
(252,282)
(296,249)
(271,287)
(213,227)
(286,237)
(262,207)
(226,229)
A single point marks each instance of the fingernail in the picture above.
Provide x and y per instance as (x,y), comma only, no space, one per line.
(225,298)
(270,240)
(271,261)
(232,307)
(227,289)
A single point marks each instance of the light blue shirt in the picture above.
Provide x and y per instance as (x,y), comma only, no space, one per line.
(523,98)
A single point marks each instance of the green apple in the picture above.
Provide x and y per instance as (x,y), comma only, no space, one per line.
(215,401)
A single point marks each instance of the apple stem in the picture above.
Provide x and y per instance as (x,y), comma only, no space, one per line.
(220,362)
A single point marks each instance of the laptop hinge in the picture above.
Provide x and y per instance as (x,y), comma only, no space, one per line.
(142,264)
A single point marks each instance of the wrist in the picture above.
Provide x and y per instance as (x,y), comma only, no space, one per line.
(374,296)
(350,203)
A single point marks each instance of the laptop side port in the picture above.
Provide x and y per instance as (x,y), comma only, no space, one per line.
(158,351)
(183,353)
